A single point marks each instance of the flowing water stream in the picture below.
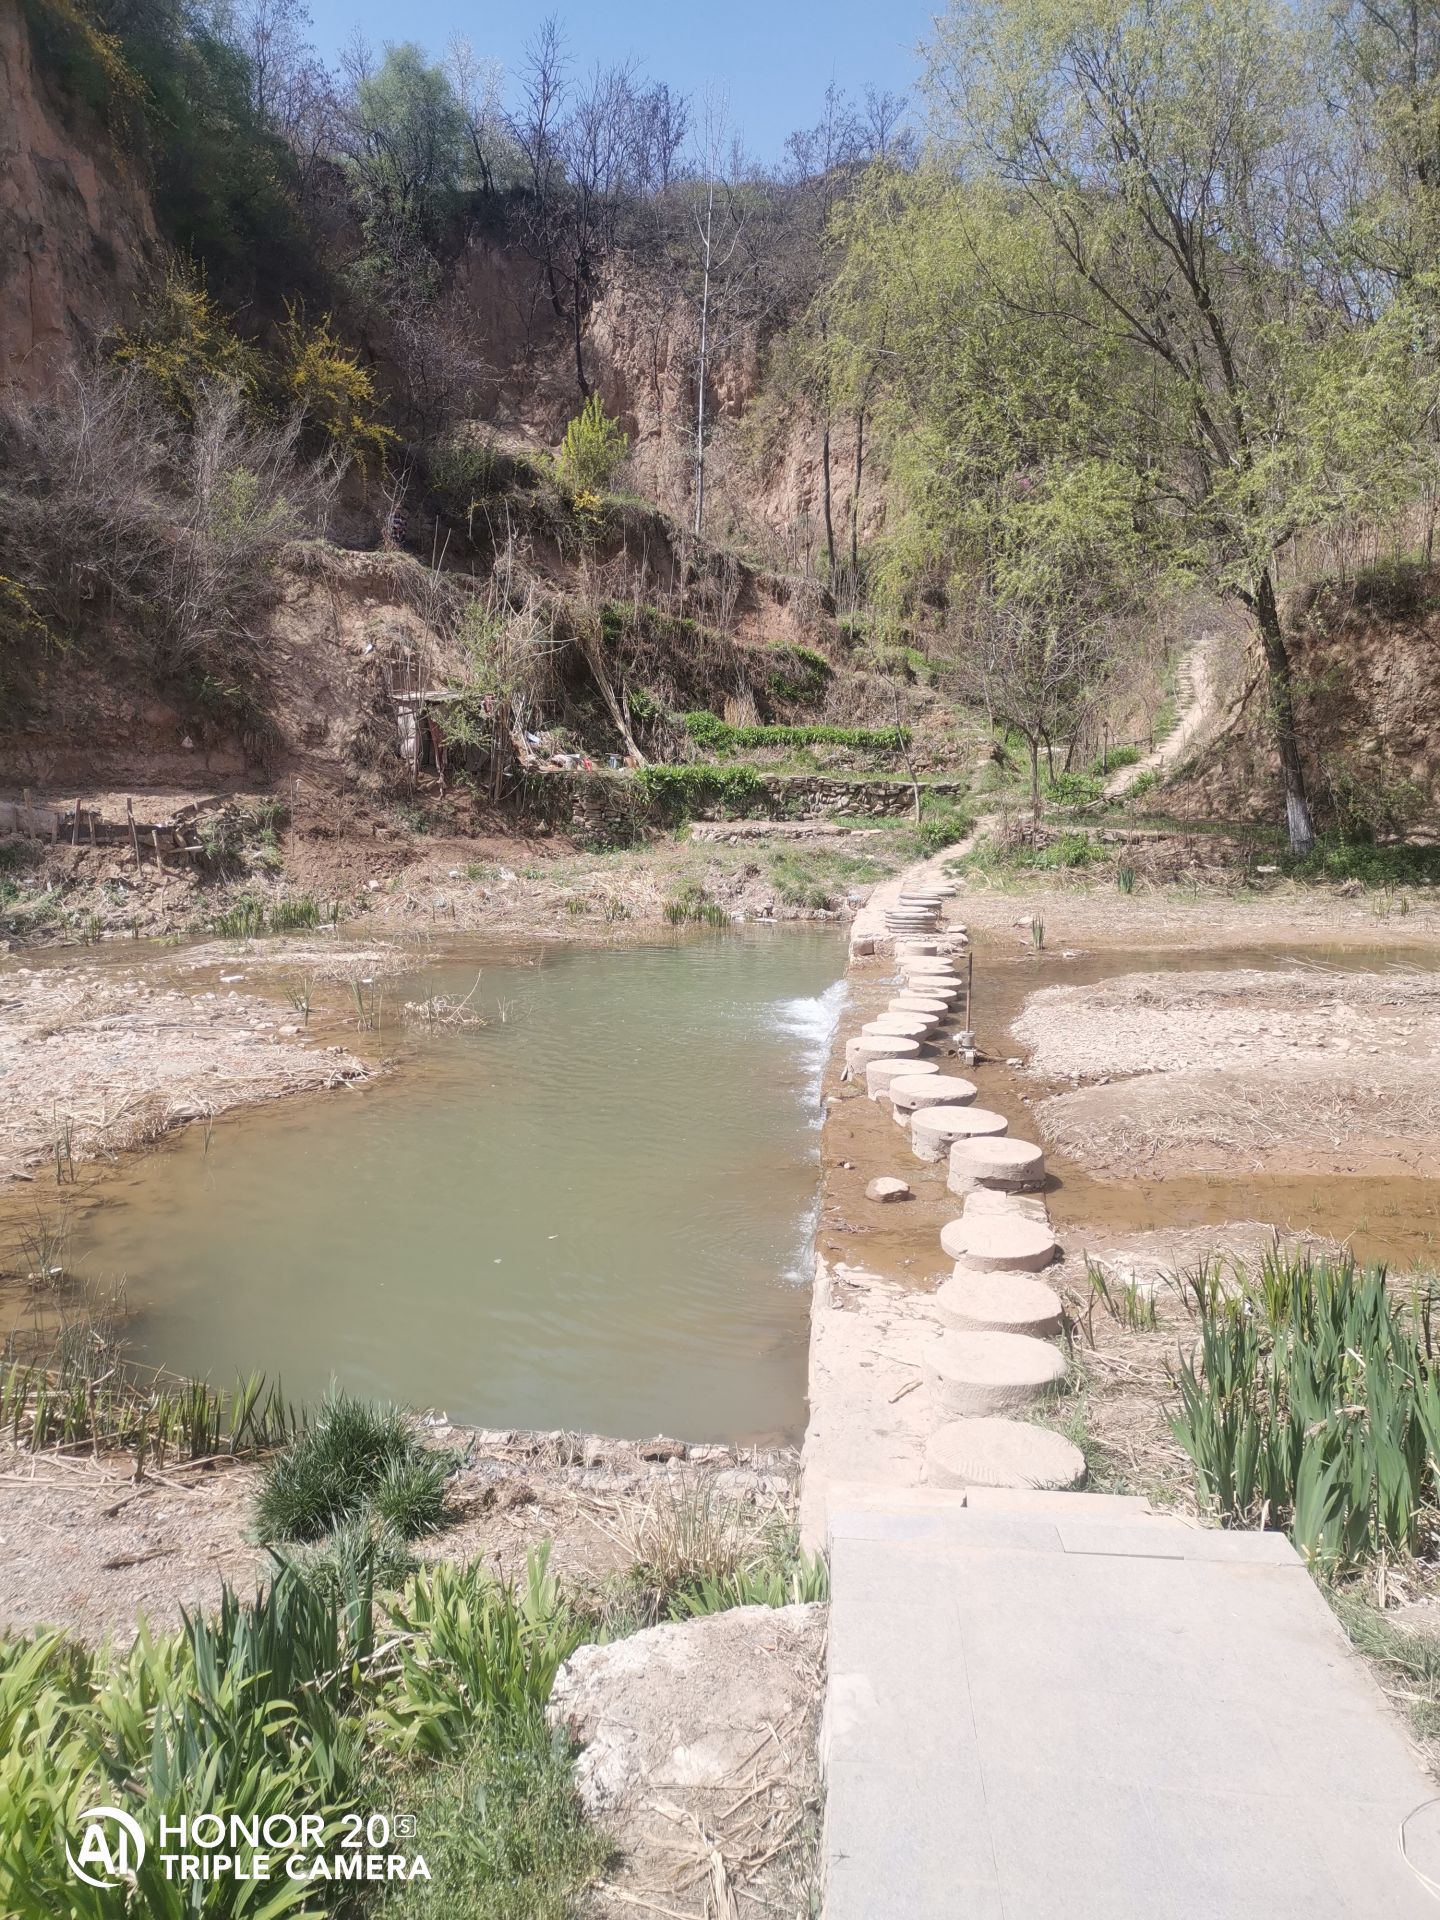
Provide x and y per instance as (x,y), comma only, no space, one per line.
(595,1212)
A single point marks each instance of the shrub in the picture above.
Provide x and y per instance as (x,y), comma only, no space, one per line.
(1075,789)
(322,380)
(592,450)
(677,794)
(355,1462)
(185,345)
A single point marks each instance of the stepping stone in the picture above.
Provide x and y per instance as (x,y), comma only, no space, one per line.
(989,1372)
(886,1189)
(937,1090)
(880,1073)
(932,1129)
(1001,1453)
(917,1003)
(934,985)
(917,949)
(919,974)
(999,1303)
(985,1203)
(866,1047)
(909,1026)
(998,1243)
(1005,1165)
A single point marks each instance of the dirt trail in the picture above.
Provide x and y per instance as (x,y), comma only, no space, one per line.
(1196,677)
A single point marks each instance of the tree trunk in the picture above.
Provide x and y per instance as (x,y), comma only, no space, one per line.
(1034,782)
(855,493)
(1282,703)
(825,496)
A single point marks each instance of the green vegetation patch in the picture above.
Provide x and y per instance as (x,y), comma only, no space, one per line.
(1389,864)
(707,730)
(1312,1402)
(677,794)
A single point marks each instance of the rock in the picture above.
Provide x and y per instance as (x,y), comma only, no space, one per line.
(866,1047)
(886,1188)
(684,1707)
(910,1092)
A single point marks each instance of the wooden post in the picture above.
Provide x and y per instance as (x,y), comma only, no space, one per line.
(90,819)
(75,830)
(969,988)
(155,839)
(29,818)
(134,836)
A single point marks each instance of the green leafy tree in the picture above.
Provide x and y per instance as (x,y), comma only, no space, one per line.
(1164,149)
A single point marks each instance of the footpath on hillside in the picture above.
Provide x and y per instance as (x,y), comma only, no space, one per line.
(1042,1701)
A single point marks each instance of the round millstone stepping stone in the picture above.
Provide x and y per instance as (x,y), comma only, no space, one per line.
(941,1090)
(943,985)
(986,1203)
(880,1073)
(917,1003)
(999,1303)
(918,949)
(866,1047)
(1008,1166)
(933,1128)
(910,1026)
(941,970)
(998,1243)
(989,1372)
(1001,1453)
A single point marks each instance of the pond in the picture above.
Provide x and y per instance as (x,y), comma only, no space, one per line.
(595,1211)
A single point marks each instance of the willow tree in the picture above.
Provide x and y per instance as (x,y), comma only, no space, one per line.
(1165,148)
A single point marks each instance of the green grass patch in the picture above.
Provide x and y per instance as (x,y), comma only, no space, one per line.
(692,906)
(355,1462)
(248,917)
(1391,864)
(720,736)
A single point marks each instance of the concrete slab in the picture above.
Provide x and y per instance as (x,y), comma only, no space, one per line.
(1082,1713)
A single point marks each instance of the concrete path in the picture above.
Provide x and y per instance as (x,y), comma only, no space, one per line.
(1059,1707)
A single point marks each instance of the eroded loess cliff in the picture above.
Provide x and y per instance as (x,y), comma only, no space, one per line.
(77,233)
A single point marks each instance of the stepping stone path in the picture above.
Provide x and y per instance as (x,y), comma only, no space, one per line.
(1005,1166)
(880,1073)
(998,1243)
(993,1350)
(998,1303)
(1001,1453)
(932,1129)
(990,1372)
(932,1090)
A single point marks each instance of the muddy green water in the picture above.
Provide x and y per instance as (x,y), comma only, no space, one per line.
(595,1213)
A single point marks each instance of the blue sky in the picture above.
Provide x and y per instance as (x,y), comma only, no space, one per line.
(773,57)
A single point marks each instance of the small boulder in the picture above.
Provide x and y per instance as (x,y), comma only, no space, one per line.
(887,1189)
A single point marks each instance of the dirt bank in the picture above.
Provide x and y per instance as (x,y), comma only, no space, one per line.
(101,1551)
(1323,1070)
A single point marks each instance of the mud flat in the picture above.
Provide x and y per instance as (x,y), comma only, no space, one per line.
(99,1060)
